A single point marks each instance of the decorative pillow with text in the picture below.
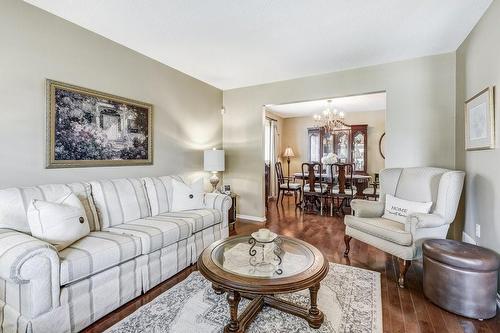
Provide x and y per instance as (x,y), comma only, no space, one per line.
(398,209)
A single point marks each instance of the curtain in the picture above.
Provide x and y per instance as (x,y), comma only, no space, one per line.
(271,152)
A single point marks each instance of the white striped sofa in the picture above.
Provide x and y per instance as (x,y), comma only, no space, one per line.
(135,243)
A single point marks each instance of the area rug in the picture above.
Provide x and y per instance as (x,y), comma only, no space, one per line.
(349,297)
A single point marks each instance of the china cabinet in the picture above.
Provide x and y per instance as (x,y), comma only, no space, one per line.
(348,143)
(359,136)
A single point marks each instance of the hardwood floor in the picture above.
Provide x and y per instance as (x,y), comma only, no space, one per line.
(404,310)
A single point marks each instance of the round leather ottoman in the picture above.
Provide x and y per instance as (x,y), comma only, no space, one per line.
(461,277)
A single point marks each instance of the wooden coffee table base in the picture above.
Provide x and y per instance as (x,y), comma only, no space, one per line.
(239,323)
(214,265)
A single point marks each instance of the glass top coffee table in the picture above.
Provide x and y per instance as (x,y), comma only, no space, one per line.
(244,268)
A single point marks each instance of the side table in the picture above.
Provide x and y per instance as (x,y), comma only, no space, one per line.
(232,211)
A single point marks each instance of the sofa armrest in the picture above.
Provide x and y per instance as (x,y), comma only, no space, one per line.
(367,208)
(416,221)
(222,203)
(31,266)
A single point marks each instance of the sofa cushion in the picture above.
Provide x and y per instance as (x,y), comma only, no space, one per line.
(187,196)
(198,219)
(59,223)
(84,192)
(159,191)
(14,203)
(96,252)
(119,201)
(155,232)
(386,229)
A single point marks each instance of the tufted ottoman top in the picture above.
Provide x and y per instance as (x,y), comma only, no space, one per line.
(460,254)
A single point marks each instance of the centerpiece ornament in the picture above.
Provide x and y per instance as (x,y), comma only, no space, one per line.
(330,158)
(330,120)
(262,239)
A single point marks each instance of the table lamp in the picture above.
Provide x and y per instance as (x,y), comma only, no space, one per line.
(213,161)
(288,153)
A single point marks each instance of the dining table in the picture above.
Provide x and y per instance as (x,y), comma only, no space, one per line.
(359,180)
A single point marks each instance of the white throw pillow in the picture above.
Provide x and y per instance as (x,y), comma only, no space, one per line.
(398,209)
(59,223)
(187,197)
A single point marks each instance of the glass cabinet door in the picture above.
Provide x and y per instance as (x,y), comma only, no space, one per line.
(342,140)
(327,143)
(358,151)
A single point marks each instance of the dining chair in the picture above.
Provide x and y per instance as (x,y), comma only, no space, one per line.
(284,185)
(371,191)
(343,191)
(314,189)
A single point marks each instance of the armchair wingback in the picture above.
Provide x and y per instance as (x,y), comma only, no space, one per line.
(442,187)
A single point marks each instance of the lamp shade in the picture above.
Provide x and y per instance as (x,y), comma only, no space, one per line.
(288,152)
(213,160)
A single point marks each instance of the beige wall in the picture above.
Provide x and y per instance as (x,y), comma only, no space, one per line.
(37,45)
(478,66)
(295,135)
(420,117)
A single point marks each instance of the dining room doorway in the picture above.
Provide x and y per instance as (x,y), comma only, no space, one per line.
(350,128)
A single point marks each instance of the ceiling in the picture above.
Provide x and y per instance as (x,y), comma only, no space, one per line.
(236,43)
(368,102)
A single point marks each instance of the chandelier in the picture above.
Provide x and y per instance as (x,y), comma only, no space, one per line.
(330,120)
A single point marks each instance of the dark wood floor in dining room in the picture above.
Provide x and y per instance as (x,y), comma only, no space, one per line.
(403,310)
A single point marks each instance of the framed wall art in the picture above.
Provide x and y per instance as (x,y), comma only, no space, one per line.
(480,120)
(87,128)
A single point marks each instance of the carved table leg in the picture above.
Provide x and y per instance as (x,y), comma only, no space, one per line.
(218,290)
(316,317)
(233,298)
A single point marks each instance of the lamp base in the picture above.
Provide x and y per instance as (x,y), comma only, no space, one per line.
(214,180)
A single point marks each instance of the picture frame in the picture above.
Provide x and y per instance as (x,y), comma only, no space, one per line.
(227,189)
(480,120)
(88,128)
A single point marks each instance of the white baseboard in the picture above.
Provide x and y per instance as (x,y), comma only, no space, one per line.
(468,239)
(251,218)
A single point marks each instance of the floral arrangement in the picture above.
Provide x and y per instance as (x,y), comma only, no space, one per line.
(331,158)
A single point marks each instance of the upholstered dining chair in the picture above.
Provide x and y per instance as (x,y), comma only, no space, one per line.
(442,187)
(371,191)
(341,191)
(284,185)
(314,187)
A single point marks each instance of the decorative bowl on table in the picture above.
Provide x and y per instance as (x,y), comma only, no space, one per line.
(264,237)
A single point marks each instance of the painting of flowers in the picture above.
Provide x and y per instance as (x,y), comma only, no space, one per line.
(90,128)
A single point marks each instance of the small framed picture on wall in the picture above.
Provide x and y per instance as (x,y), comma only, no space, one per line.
(480,120)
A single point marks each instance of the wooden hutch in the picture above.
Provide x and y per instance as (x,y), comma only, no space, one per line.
(348,143)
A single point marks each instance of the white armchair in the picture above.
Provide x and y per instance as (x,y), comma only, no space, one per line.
(441,186)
